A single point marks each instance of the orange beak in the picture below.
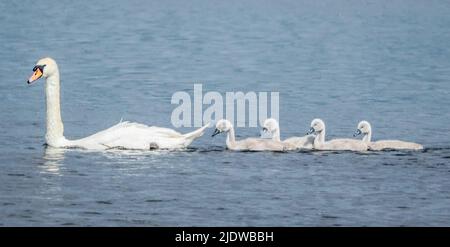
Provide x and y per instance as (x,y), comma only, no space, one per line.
(36,75)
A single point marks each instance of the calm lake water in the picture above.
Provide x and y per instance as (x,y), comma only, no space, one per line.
(343,61)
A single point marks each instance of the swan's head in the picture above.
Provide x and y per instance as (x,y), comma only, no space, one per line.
(317,126)
(363,128)
(270,125)
(45,67)
(222,126)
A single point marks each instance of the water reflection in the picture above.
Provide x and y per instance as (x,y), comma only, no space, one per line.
(53,160)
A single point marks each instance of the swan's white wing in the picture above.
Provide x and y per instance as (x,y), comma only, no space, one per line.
(394,144)
(345,144)
(258,144)
(304,142)
(130,135)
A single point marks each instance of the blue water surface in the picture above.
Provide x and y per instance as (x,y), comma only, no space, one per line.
(343,61)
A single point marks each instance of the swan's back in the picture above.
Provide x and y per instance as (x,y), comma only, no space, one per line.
(255,144)
(344,145)
(131,135)
(304,142)
(394,144)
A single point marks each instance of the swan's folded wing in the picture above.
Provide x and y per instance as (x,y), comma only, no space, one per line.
(346,144)
(394,144)
(263,145)
(131,136)
(300,142)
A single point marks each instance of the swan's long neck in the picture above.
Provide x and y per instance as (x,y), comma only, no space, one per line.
(231,140)
(367,136)
(320,138)
(276,135)
(55,128)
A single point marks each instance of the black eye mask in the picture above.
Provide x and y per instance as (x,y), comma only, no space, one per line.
(41,67)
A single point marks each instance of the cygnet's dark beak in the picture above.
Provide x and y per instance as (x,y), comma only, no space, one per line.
(265,129)
(216,132)
(311,130)
(357,133)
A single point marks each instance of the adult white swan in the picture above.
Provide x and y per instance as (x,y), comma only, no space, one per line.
(318,127)
(249,144)
(305,142)
(365,129)
(124,135)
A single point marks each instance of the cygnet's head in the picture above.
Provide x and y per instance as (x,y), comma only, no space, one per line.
(45,67)
(222,125)
(363,128)
(317,126)
(271,125)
